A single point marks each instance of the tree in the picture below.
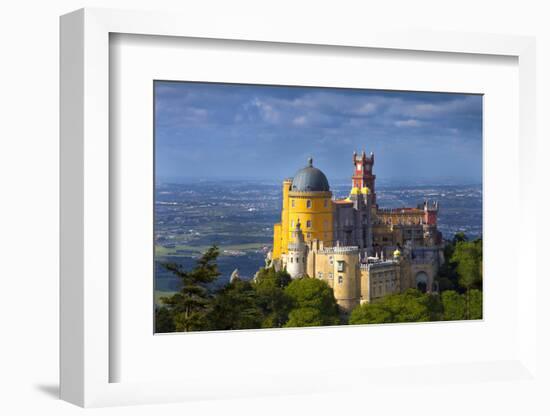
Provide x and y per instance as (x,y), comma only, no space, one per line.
(459,237)
(434,305)
(235,307)
(475,302)
(304,317)
(271,277)
(164,320)
(447,276)
(468,259)
(370,313)
(410,306)
(454,305)
(313,294)
(445,283)
(190,305)
(271,297)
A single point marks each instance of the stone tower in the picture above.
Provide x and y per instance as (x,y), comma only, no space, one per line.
(362,175)
(297,254)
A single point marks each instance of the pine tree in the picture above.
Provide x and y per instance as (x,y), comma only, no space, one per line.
(191,304)
(235,307)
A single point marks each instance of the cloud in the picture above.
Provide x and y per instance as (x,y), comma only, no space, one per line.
(408,123)
(455,105)
(267,111)
(367,108)
(196,114)
(246,120)
(300,121)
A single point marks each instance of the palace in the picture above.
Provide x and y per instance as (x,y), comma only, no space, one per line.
(361,250)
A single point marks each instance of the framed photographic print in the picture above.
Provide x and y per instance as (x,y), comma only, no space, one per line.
(242,242)
(257,212)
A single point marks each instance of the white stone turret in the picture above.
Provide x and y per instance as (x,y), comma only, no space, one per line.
(297,254)
(234,276)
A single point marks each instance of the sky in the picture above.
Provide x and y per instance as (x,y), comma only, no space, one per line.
(206,130)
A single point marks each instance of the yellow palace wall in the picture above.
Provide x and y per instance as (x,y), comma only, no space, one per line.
(314,210)
(276,241)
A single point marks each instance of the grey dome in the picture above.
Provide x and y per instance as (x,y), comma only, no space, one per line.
(310,179)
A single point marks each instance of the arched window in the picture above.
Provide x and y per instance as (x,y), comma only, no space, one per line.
(308,223)
(422,281)
(308,203)
(292,203)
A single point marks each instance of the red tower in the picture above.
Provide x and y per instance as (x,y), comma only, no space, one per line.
(430,212)
(362,173)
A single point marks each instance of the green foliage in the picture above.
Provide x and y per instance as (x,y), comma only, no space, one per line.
(370,313)
(410,306)
(435,306)
(459,237)
(446,283)
(468,259)
(164,320)
(274,300)
(454,305)
(458,306)
(462,267)
(475,304)
(235,307)
(447,276)
(414,306)
(308,293)
(304,317)
(270,277)
(190,305)
(271,297)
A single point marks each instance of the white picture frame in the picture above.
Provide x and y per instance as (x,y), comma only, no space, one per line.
(86,219)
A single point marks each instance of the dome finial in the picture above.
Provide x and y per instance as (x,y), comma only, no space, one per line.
(310,162)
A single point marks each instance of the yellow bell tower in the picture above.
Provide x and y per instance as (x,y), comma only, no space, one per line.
(307,199)
(281,230)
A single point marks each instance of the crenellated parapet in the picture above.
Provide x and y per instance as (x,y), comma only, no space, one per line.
(340,250)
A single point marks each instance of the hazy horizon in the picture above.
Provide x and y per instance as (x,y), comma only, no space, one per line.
(454,180)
